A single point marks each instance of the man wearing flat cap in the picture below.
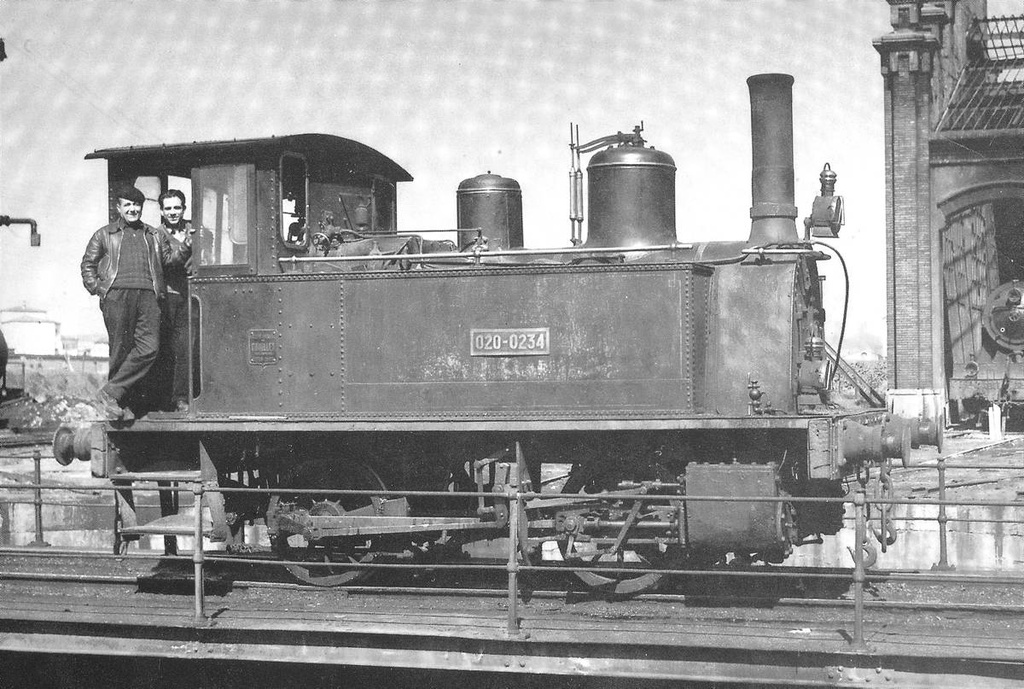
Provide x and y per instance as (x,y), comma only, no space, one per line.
(124,266)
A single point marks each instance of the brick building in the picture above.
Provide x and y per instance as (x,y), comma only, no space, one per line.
(954,159)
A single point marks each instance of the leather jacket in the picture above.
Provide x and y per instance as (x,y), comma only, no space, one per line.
(103,253)
(176,274)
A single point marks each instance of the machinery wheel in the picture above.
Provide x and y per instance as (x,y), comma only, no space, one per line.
(327,475)
(645,556)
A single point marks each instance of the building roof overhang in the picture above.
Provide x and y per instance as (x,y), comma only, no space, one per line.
(988,99)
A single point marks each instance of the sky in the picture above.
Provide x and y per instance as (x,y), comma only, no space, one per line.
(449,91)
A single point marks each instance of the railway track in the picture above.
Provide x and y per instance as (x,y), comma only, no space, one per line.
(173,585)
(982,467)
(139,607)
(782,587)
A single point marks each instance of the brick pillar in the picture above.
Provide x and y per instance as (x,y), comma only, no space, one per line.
(913,253)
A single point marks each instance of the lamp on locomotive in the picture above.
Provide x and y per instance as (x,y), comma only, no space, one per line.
(827,212)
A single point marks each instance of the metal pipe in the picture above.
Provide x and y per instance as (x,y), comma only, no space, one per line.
(773,211)
(573,205)
(577,234)
(529,495)
(758,251)
(486,254)
(577,237)
(37,458)
(413,233)
(34,232)
(197,553)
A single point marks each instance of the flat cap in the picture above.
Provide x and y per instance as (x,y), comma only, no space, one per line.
(127,191)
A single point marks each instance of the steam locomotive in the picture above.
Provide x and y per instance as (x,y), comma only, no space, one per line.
(332,352)
(984,284)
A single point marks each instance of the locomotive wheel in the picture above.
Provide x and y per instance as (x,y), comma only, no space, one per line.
(327,475)
(593,482)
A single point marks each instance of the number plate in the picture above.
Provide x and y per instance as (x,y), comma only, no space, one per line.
(263,347)
(510,342)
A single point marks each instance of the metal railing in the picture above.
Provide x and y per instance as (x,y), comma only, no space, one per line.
(516,564)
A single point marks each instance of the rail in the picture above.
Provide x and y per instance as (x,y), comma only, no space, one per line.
(867,510)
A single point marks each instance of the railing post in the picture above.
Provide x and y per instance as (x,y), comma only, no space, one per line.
(515,504)
(38,459)
(197,553)
(859,577)
(943,564)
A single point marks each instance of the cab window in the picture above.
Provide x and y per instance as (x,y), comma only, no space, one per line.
(384,206)
(184,185)
(150,188)
(222,213)
(294,200)
(339,207)
(365,209)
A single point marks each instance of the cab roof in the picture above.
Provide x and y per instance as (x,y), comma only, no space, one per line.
(319,149)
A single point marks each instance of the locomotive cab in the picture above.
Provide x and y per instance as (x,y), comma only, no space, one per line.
(254,202)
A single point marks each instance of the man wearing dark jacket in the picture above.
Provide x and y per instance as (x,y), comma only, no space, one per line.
(124,266)
(173,360)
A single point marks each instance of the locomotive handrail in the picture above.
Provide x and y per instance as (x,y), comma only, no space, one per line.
(758,251)
(413,233)
(477,256)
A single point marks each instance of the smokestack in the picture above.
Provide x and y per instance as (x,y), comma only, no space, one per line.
(773,209)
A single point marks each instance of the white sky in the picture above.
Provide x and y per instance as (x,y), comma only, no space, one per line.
(449,91)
